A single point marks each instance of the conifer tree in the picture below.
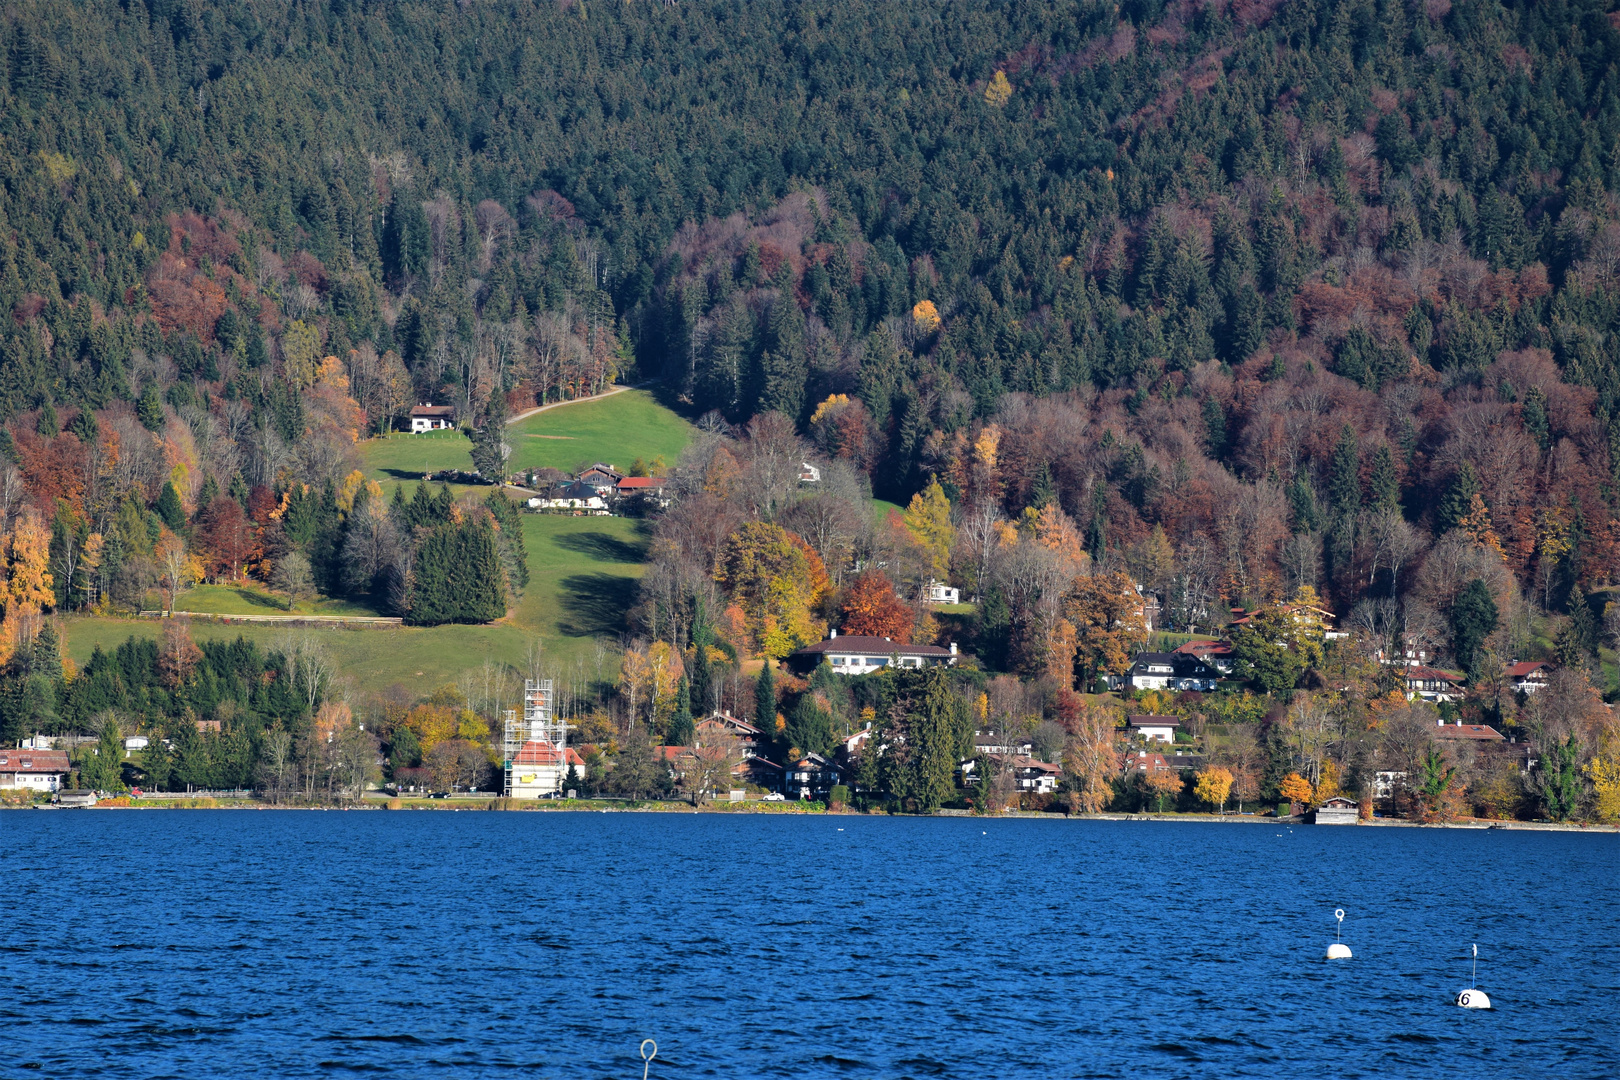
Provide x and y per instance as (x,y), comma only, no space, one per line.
(1344,477)
(1458,502)
(490,450)
(680,729)
(169,509)
(699,670)
(1386,489)
(765,707)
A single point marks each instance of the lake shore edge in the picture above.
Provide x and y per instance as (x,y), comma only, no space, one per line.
(807,810)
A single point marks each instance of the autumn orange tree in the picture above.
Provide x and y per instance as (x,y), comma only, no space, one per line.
(1163,784)
(1295,788)
(1106,615)
(871,607)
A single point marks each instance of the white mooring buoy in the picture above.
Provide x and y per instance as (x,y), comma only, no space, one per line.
(1338,950)
(1473,998)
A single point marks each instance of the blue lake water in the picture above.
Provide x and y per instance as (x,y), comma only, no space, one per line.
(249,943)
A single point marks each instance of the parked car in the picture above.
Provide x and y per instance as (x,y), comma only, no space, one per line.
(775,796)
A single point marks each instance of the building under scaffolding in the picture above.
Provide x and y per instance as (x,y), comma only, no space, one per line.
(536,747)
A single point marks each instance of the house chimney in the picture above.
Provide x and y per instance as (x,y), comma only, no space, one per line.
(832,633)
(1459,723)
(1440,721)
(953,648)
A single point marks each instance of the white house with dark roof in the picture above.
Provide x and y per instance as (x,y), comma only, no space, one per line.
(1528,676)
(857,654)
(1170,671)
(432,417)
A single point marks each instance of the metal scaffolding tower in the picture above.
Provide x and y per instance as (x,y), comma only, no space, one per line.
(538,743)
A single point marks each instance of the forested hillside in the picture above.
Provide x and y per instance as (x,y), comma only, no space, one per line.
(1287,293)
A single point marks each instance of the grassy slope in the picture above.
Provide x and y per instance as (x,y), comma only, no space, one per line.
(255,599)
(616,430)
(583,574)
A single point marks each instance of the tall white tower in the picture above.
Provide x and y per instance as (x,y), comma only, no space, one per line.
(535,748)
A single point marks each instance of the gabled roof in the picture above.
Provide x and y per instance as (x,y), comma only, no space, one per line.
(35,761)
(862,644)
(1526,668)
(1202,649)
(632,483)
(1430,674)
(1471,732)
(433,410)
(1183,665)
(606,470)
(1145,720)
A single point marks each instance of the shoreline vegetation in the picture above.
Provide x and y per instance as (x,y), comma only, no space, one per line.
(801,809)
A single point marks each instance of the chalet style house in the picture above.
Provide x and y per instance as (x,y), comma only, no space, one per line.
(1432,684)
(432,418)
(1169,671)
(857,654)
(1528,676)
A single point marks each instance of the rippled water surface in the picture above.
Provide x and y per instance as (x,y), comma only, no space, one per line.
(262,944)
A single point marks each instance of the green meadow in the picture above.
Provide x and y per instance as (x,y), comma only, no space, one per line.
(616,430)
(583,577)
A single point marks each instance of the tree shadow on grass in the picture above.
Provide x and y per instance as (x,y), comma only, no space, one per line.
(259,599)
(595,604)
(604,547)
(404,474)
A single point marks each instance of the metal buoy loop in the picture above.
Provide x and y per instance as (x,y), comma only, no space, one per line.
(646,1057)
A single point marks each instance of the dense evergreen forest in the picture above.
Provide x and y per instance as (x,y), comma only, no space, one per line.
(1240,298)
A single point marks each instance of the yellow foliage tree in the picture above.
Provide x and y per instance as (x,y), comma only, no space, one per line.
(833,403)
(1604,772)
(778,582)
(432,724)
(925,317)
(1214,786)
(999,92)
(29,587)
(928,519)
(350,486)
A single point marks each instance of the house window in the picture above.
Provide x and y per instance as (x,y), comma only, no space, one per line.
(838,660)
(877,661)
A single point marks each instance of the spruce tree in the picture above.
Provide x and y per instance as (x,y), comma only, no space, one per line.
(1582,622)
(1344,477)
(1458,500)
(1214,427)
(700,672)
(680,730)
(1473,617)
(169,509)
(1043,492)
(489,449)
(1302,505)
(765,708)
(1097,531)
(1386,489)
